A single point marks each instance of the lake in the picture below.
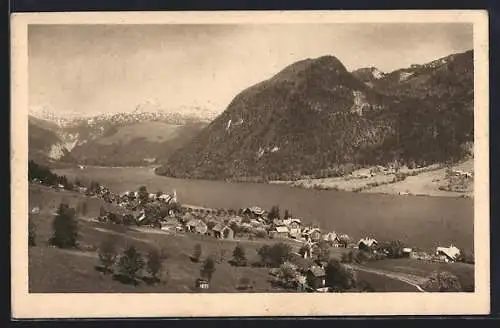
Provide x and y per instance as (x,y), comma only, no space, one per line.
(421,221)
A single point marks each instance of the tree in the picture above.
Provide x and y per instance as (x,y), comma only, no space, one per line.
(274,255)
(65,227)
(323,251)
(84,208)
(239,256)
(286,215)
(130,263)
(143,194)
(344,240)
(393,248)
(288,275)
(196,253)
(208,268)
(338,277)
(154,263)
(107,254)
(94,186)
(442,281)
(31,231)
(274,213)
(235,227)
(102,211)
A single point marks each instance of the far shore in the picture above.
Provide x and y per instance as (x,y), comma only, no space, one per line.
(419,182)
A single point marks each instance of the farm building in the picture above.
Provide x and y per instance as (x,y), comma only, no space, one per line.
(316,277)
(197,226)
(367,243)
(332,239)
(202,284)
(312,234)
(170,223)
(279,232)
(295,227)
(222,231)
(407,251)
(448,254)
(254,212)
(235,219)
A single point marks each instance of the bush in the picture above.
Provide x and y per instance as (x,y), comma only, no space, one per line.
(442,282)
(275,255)
(65,228)
(244,283)
(31,231)
(130,263)
(107,254)
(239,256)
(208,268)
(338,277)
(287,275)
(274,213)
(154,263)
(361,256)
(143,194)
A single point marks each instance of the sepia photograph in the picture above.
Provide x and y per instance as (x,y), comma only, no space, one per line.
(276,158)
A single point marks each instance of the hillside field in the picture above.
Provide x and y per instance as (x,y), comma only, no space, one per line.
(57,270)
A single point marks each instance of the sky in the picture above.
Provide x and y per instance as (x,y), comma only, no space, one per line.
(92,69)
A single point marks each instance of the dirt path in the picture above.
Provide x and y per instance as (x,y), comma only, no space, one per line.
(409,279)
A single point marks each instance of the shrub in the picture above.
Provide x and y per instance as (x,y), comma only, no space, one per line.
(442,282)
(274,213)
(274,255)
(154,263)
(239,256)
(261,233)
(287,275)
(65,228)
(130,263)
(244,283)
(31,231)
(361,256)
(208,268)
(107,254)
(338,277)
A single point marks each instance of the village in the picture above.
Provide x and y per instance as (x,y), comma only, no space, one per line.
(163,211)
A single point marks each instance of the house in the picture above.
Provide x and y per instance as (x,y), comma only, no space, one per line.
(448,254)
(316,277)
(202,284)
(236,219)
(367,243)
(170,224)
(279,232)
(197,226)
(332,238)
(407,251)
(165,198)
(314,234)
(222,231)
(363,173)
(295,228)
(254,212)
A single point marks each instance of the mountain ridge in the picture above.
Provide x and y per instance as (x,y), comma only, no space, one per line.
(313,116)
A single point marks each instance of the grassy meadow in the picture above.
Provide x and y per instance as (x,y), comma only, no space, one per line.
(58,270)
